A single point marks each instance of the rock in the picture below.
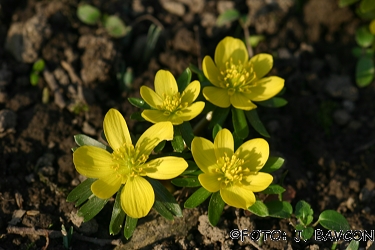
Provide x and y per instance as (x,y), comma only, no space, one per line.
(341,117)
(223,6)
(8,121)
(184,40)
(24,40)
(173,7)
(341,87)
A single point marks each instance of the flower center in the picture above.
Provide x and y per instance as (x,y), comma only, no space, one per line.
(128,163)
(238,77)
(172,103)
(231,169)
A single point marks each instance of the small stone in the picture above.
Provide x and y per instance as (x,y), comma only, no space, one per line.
(175,8)
(88,129)
(284,53)
(8,121)
(366,195)
(341,117)
(341,87)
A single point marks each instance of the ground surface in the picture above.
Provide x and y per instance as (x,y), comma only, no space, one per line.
(326,133)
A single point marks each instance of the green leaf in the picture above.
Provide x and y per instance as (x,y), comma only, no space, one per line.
(354,245)
(137,116)
(88,14)
(115,26)
(162,210)
(39,65)
(367,5)
(130,225)
(240,123)
(304,212)
(358,51)
(197,198)
(227,17)
(199,73)
(81,193)
(160,146)
(259,208)
(187,133)
(274,189)
(177,142)
(91,208)
(82,140)
(272,164)
(192,167)
(275,102)
(253,118)
(215,130)
(165,197)
(279,209)
(138,102)
(34,78)
(219,116)
(343,3)
(364,71)
(152,38)
(186,182)
(254,40)
(184,79)
(306,232)
(118,215)
(215,208)
(333,220)
(364,37)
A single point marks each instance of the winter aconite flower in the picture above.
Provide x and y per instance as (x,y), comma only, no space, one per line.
(235,174)
(167,103)
(237,80)
(128,164)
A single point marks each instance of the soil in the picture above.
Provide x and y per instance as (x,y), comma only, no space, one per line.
(326,133)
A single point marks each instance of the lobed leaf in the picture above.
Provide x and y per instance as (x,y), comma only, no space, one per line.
(253,118)
(118,215)
(239,123)
(215,208)
(197,198)
(274,189)
(130,225)
(186,182)
(91,208)
(259,208)
(275,102)
(272,164)
(279,209)
(187,133)
(304,212)
(183,80)
(81,193)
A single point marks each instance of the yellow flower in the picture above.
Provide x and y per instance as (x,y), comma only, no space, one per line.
(128,164)
(372,27)
(167,103)
(235,174)
(237,80)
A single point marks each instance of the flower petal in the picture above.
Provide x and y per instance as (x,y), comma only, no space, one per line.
(137,197)
(165,83)
(255,153)
(211,71)
(115,129)
(241,101)
(210,181)
(106,186)
(228,48)
(262,64)
(165,168)
(150,97)
(238,196)
(152,136)
(92,162)
(259,181)
(224,144)
(191,112)
(203,153)
(155,116)
(266,88)
(217,96)
(191,92)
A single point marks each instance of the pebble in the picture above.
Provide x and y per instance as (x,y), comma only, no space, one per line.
(175,8)
(341,87)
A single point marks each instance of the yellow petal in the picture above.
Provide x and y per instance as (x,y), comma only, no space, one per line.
(217,96)
(155,116)
(191,93)
(106,186)
(228,48)
(238,196)
(115,129)
(165,168)
(92,162)
(165,83)
(262,64)
(152,136)
(259,181)
(150,97)
(211,71)
(255,153)
(191,112)
(137,197)
(266,88)
(210,181)
(241,101)
(203,153)
(224,144)
(372,27)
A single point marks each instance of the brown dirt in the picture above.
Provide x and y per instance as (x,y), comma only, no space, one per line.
(325,133)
